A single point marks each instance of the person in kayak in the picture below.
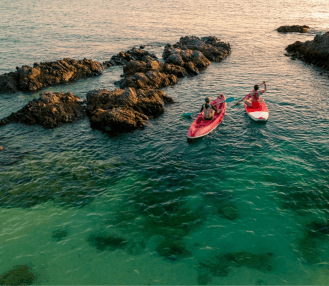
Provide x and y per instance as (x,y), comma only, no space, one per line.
(253,98)
(208,110)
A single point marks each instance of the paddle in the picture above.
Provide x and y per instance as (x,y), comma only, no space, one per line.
(230,99)
(244,97)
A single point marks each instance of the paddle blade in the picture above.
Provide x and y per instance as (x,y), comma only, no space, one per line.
(187,114)
(230,99)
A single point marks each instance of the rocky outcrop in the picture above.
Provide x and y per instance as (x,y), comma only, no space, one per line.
(143,76)
(294,28)
(194,53)
(314,52)
(150,73)
(150,79)
(124,58)
(124,110)
(50,110)
(45,74)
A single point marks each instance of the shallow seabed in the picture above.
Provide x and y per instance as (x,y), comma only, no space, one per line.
(81,207)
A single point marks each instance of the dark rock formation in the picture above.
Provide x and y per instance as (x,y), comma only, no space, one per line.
(151,79)
(45,74)
(294,28)
(124,110)
(19,275)
(124,58)
(313,52)
(150,73)
(50,110)
(193,53)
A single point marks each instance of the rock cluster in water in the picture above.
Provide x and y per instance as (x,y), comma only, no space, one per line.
(138,99)
(194,53)
(124,110)
(49,111)
(293,28)
(19,275)
(313,52)
(45,74)
(143,77)
(123,58)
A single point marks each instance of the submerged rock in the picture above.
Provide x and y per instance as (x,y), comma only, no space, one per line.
(172,249)
(59,234)
(204,278)
(293,28)
(229,212)
(107,242)
(221,264)
(49,111)
(309,246)
(45,74)
(124,110)
(261,262)
(19,275)
(313,52)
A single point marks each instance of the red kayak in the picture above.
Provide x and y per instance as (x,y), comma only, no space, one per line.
(258,111)
(201,127)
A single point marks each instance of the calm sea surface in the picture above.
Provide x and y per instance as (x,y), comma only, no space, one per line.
(80,207)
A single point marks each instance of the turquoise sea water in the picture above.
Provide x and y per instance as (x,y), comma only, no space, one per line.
(161,194)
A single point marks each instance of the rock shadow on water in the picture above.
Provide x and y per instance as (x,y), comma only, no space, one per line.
(223,263)
(19,275)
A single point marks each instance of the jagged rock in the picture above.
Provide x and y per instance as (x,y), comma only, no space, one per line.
(198,51)
(313,52)
(124,58)
(150,79)
(294,28)
(19,275)
(124,110)
(50,110)
(45,74)
(150,64)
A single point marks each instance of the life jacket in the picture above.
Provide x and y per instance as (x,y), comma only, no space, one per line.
(207,113)
(255,96)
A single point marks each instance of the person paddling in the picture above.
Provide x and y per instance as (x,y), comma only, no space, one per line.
(208,109)
(253,98)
